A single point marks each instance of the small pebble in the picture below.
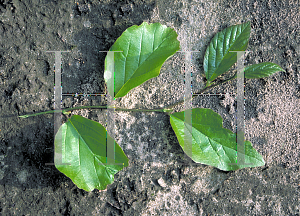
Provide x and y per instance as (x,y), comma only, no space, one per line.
(162,182)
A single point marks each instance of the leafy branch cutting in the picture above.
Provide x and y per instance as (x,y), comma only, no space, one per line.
(144,49)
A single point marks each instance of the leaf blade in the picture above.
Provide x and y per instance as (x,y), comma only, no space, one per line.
(261,70)
(218,59)
(154,43)
(211,143)
(84,148)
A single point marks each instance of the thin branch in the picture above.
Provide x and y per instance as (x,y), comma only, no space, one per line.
(205,89)
(166,110)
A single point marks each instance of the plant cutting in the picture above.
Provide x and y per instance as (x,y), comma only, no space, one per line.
(145,48)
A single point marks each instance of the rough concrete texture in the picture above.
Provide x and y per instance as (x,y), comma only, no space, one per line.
(159,180)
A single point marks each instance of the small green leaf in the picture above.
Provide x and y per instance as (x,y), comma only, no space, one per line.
(82,143)
(218,59)
(145,49)
(260,70)
(211,143)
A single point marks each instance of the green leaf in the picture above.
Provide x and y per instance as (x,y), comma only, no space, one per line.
(82,143)
(218,59)
(211,143)
(145,49)
(260,70)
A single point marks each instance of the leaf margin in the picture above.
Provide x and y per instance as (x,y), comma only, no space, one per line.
(210,58)
(219,121)
(127,86)
(76,176)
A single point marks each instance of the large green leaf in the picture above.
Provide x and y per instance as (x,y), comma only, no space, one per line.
(82,143)
(218,59)
(145,49)
(260,70)
(211,143)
